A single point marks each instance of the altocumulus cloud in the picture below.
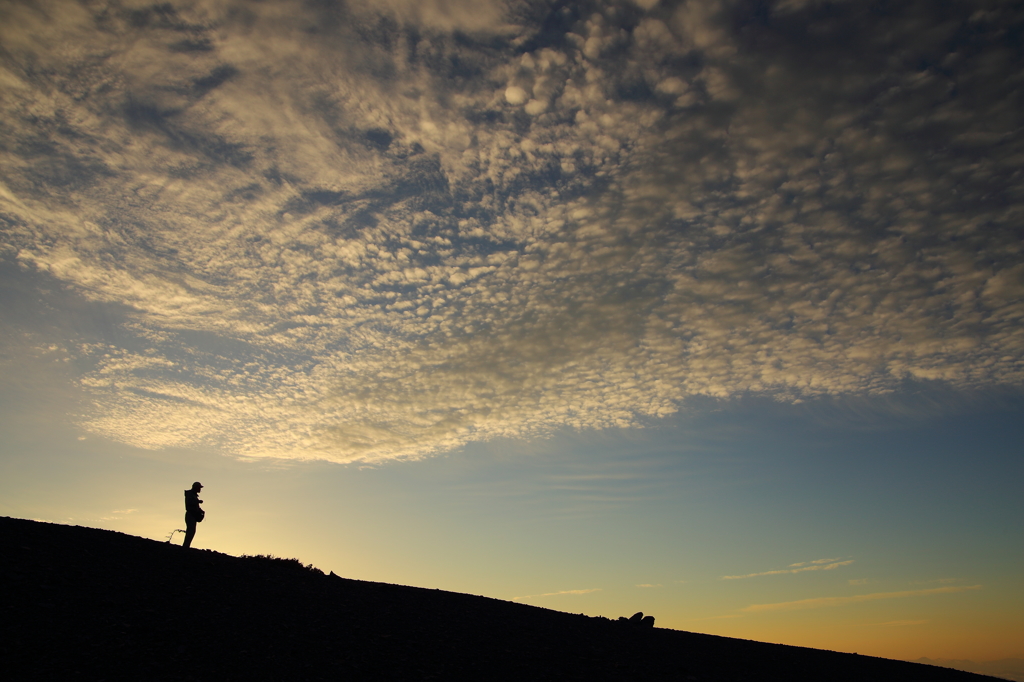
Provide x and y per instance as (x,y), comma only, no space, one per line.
(369,231)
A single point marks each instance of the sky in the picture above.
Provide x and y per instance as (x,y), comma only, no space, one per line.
(708,308)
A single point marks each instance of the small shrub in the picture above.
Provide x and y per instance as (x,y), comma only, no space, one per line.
(280,561)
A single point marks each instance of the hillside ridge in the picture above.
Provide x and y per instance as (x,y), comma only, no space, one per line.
(85,603)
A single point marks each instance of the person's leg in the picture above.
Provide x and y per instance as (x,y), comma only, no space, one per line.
(190,530)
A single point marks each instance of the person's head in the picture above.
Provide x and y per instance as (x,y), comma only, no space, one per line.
(197,486)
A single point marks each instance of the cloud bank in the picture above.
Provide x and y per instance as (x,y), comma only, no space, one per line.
(370,231)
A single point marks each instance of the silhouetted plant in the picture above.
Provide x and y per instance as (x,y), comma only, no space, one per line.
(293,563)
(271,557)
(171,535)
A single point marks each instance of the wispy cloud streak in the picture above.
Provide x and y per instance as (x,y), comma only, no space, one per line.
(814,566)
(556,594)
(821,602)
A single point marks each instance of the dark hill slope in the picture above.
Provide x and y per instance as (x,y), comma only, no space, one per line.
(82,603)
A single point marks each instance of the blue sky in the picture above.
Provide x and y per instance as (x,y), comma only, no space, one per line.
(589,305)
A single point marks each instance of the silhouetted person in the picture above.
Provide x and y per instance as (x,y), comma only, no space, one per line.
(193,512)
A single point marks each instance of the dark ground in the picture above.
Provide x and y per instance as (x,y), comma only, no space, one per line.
(83,603)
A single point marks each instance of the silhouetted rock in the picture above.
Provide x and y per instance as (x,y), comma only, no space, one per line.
(82,603)
(638,620)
